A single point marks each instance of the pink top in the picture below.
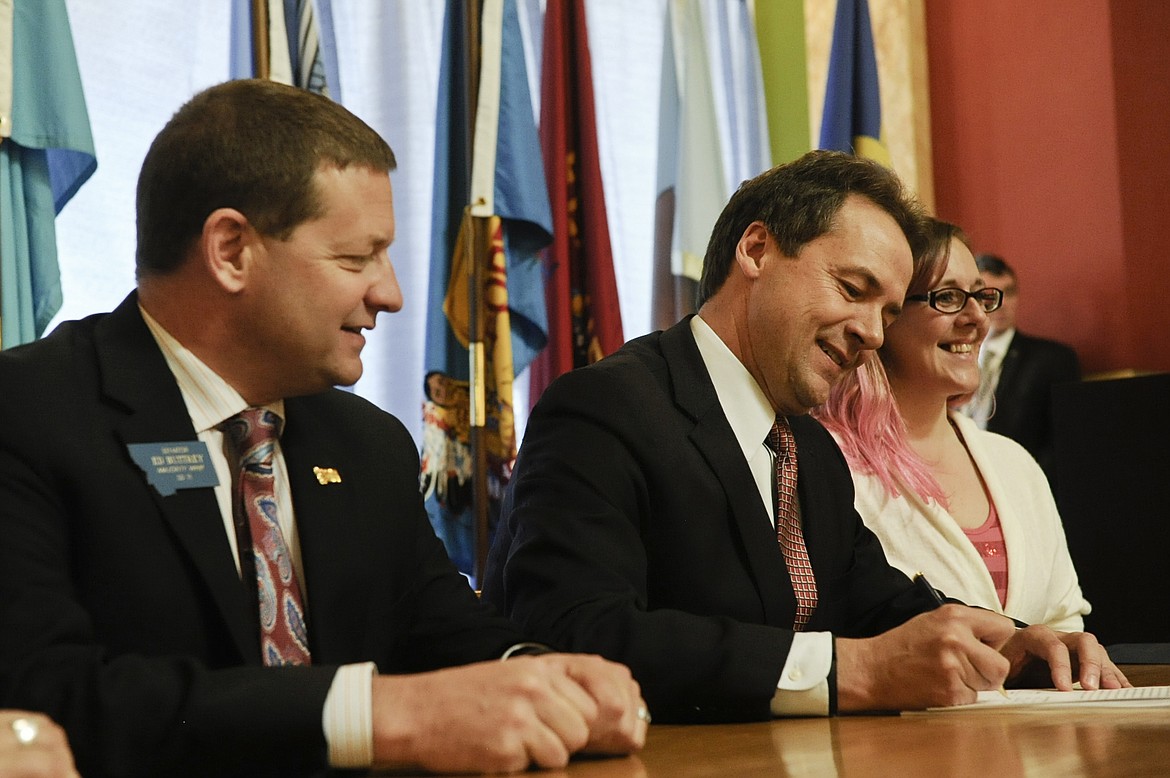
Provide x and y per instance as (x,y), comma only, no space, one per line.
(988,541)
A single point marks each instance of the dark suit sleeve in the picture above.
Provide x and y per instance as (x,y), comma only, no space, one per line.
(445,622)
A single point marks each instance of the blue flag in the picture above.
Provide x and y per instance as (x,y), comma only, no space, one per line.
(46,155)
(496,168)
(852,118)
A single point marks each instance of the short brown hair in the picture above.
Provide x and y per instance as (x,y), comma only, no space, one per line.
(935,254)
(252,145)
(798,203)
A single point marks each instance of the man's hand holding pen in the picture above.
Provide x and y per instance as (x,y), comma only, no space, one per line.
(934,594)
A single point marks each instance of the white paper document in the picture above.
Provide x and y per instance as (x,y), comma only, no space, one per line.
(1137,697)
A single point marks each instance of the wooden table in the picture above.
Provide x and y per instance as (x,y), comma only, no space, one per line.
(989,745)
(985,744)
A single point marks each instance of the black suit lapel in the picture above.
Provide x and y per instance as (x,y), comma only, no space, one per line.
(136,379)
(1009,371)
(332,547)
(712,436)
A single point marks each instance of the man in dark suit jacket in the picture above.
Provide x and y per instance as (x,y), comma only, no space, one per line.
(1021,370)
(639,520)
(127,614)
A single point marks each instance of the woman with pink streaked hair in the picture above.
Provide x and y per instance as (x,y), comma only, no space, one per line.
(969,509)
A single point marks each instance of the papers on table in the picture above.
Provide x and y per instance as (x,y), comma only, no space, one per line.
(1044,699)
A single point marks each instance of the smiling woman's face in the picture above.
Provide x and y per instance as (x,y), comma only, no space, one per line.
(928,350)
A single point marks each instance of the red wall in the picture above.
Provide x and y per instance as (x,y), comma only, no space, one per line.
(1141,57)
(1050,127)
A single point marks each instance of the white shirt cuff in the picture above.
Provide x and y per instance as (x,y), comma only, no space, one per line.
(348,718)
(803,688)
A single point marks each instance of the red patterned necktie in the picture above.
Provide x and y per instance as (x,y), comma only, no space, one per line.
(283,635)
(788,530)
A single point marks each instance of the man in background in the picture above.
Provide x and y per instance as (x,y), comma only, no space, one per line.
(1018,372)
(211,561)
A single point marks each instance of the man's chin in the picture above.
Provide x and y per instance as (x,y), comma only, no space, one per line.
(347,378)
(344,374)
(803,402)
(813,395)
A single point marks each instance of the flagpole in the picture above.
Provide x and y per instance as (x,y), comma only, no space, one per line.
(476,247)
(260,55)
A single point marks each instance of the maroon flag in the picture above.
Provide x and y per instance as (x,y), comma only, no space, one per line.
(584,321)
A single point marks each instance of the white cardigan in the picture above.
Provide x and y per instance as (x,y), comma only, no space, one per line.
(921,537)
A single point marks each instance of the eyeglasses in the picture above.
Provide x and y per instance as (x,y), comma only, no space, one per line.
(953,299)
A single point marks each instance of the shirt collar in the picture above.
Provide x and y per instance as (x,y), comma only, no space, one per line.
(747,409)
(995,346)
(209,398)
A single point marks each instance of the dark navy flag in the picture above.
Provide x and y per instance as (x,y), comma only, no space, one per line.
(852,120)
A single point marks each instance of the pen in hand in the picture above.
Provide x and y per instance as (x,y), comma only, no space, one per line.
(921,582)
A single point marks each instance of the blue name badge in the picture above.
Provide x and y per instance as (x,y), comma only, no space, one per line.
(183,464)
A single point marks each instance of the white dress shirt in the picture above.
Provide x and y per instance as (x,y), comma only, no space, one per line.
(994,348)
(803,687)
(347,718)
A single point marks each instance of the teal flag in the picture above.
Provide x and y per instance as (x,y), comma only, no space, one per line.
(44,160)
